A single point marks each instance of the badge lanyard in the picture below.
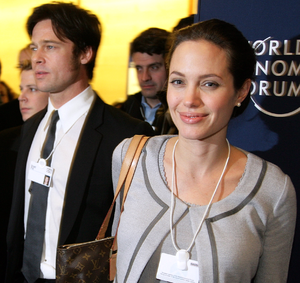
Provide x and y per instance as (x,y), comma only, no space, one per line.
(43,161)
(183,255)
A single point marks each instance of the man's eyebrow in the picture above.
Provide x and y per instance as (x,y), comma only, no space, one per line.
(156,63)
(46,42)
(150,65)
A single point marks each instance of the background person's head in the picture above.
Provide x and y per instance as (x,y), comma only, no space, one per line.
(73,23)
(31,100)
(24,55)
(151,41)
(148,51)
(240,55)
(6,93)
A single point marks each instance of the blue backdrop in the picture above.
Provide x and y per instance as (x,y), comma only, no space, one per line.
(270,126)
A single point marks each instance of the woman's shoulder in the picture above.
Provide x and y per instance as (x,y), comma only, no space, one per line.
(153,144)
(158,141)
(254,161)
(272,168)
(273,178)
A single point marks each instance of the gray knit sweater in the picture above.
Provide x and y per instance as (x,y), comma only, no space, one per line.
(246,236)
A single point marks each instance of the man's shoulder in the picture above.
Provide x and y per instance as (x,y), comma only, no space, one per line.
(133,98)
(35,119)
(137,96)
(10,115)
(11,132)
(132,105)
(115,118)
(9,136)
(120,116)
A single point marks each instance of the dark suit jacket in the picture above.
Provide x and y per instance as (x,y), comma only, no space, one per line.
(162,123)
(8,156)
(10,115)
(89,190)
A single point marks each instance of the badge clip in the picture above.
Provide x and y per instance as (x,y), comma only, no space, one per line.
(182,257)
(42,162)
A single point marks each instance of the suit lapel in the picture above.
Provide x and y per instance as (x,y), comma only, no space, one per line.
(88,146)
(28,132)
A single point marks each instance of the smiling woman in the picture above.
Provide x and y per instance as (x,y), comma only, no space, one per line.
(198,92)
(199,208)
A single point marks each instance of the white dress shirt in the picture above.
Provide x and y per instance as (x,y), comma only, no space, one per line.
(72,116)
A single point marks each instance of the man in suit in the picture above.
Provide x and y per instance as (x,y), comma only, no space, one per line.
(65,40)
(148,51)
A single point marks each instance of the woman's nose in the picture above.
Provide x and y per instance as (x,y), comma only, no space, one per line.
(192,97)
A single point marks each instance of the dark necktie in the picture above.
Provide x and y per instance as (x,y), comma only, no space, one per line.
(33,246)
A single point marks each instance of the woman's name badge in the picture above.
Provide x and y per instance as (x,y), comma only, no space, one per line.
(40,173)
(168,270)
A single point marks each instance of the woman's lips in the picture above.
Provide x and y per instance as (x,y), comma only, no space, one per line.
(192,118)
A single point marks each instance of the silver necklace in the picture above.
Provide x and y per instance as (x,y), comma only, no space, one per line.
(183,255)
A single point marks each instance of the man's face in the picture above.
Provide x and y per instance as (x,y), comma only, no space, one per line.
(56,69)
(151,73)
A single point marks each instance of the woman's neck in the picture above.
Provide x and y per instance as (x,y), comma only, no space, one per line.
(196,169)
(200,157)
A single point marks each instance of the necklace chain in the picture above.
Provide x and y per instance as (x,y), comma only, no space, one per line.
(208,206)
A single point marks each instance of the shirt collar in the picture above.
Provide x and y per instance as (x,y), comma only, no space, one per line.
(147,106)
(71,111)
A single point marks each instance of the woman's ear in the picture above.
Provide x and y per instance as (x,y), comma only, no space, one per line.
(87,55)
(243,91)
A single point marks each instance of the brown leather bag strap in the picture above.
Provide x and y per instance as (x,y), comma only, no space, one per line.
(127,171)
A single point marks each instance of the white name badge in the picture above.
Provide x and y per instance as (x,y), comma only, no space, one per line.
(169,271)
(40,173)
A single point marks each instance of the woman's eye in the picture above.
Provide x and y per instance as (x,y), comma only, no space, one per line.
(33,89)
(211,84)
(176,82)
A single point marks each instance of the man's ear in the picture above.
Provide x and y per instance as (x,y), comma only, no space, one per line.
(87,55)
(243,91)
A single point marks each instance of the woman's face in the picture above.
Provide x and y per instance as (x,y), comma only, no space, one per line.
(201,95)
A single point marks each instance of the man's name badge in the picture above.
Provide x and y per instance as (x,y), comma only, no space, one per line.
(40,173)
(168,270)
